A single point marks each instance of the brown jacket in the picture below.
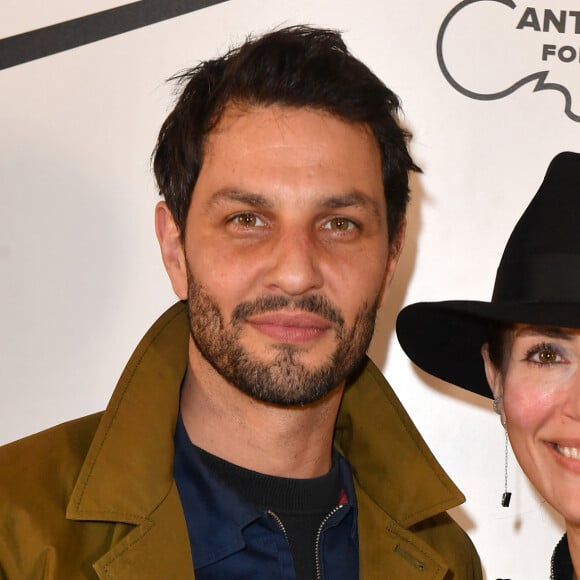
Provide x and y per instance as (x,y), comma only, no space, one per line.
(95,497)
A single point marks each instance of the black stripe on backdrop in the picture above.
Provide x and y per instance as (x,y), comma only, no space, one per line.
(42,42)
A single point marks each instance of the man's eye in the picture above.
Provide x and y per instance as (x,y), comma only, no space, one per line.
(247,220)
(340,224)
(544,354)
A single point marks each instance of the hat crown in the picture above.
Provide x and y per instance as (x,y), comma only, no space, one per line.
(537,282)
(541,261)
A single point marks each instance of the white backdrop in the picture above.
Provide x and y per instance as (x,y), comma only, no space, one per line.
(80,269)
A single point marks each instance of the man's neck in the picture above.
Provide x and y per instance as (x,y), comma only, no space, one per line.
(270,439)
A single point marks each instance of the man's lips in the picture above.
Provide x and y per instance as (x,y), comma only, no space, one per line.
(290,327)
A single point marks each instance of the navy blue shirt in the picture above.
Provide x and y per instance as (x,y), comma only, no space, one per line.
(232,538)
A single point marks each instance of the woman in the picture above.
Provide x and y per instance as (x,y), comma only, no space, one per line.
(523,347)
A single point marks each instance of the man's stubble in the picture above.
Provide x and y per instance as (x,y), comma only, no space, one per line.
(284,380)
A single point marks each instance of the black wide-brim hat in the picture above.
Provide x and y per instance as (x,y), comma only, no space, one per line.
(537,282)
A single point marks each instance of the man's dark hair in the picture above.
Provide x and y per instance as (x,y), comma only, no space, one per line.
(297,66)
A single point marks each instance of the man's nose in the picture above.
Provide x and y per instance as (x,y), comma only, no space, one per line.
(293,263)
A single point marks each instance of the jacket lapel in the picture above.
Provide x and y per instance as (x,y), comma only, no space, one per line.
(157,547)
(398,481)
(127,476)
(389,458)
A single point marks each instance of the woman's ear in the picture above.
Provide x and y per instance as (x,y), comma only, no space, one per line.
(495,381)
(172,250)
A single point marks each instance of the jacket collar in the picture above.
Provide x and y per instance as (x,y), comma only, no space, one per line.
(129,467)
(390,460)
(127,476)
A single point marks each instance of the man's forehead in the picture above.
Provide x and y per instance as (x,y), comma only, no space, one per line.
(266,134)
(237,112)
(269,155)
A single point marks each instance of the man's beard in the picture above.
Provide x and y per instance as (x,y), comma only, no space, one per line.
(283,380)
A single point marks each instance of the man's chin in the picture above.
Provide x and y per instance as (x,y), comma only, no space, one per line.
(304,356)
(306,398)
(283,379)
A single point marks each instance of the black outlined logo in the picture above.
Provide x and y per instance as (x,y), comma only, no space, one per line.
(28,46)
(540,46)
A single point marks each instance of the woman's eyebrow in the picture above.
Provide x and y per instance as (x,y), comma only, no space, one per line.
(550,331)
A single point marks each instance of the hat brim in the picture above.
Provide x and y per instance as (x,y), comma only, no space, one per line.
(445,338)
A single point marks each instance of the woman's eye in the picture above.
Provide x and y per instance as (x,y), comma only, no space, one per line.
(340,224)
(544,354)
(247,220)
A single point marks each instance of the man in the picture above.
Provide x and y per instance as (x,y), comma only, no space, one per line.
(248,436)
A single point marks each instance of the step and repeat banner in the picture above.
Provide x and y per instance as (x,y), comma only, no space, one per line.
(490,90)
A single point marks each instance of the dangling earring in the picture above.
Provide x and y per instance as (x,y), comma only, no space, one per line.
(507,495)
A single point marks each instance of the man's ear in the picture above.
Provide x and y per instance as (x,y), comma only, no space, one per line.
(395,250)
(495,381)
(172,250)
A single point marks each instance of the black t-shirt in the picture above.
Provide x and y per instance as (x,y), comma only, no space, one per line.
(299,505)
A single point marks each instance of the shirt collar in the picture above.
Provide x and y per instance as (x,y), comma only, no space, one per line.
(214,510)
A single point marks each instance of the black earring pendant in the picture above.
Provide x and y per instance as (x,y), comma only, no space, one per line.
(506,495)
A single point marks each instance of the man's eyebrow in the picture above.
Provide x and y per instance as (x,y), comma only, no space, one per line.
(352,199)
(550,331)
(247,197)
